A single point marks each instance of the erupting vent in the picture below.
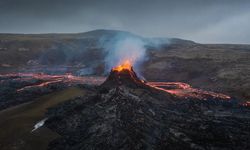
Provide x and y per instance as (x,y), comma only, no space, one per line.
(123,75)
(125,66)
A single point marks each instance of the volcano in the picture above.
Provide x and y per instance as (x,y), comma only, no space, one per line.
(130,114)
(123,75)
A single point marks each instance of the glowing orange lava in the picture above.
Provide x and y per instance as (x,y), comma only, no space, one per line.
(124,66)
(44,80)
(184,90)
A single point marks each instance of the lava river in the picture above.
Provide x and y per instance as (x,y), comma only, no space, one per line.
(43,80)
(184,90)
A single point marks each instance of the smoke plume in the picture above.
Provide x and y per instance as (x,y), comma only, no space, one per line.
(123,47)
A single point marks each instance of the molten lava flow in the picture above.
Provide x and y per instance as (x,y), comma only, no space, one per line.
(38,80)
(124,66)
(184,90)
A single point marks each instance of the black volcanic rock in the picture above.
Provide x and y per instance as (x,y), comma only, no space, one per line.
(130,115)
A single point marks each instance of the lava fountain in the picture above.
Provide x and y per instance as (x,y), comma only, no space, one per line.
(123,75)
(124,66)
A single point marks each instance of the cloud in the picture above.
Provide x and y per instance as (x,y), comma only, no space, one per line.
(195,19)
(231,30)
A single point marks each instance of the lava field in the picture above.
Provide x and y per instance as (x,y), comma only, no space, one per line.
(124,112)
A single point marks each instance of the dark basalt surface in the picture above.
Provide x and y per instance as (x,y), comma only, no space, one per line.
(124,117)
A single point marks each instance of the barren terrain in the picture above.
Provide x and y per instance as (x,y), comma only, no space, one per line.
(217,67)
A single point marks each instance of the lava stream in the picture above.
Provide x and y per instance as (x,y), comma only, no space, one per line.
(44,80)
(38,85)
(184,90)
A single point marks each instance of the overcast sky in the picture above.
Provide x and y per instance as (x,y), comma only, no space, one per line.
(205,21)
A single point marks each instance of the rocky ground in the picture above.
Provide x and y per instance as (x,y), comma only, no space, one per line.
(20,88)
(221,68)
(122,115)
(17,123)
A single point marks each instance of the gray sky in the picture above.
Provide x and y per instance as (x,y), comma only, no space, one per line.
(205,21)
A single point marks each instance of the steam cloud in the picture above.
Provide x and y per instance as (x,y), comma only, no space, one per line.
(122,47)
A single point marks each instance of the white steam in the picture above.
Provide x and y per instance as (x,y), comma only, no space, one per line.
(123,47)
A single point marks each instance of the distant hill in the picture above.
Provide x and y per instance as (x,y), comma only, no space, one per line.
(20,50)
